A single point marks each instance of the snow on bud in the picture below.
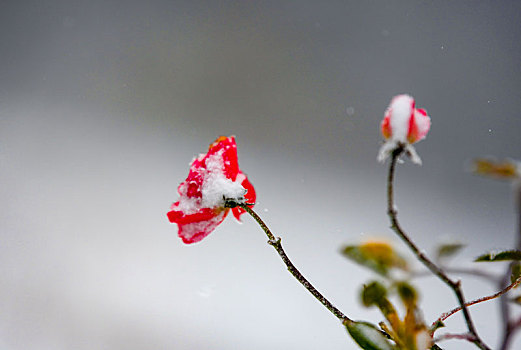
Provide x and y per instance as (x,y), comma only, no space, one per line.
(403,125)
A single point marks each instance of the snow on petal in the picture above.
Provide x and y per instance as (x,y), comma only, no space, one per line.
(216,187)
(423,123)
(195,231)
(213,179)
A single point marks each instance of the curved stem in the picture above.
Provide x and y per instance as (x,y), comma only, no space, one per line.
(446,315)
(454,285)
(275,243)
(464,336)
(508,329)
(456,270)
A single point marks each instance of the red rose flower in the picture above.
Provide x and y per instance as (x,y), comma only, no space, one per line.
(214,179)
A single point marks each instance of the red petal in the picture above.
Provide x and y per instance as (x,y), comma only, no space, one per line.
(412,134)
(422,111)
(230,161)
(419,125)
(196,231)
(203,214)
(386,126)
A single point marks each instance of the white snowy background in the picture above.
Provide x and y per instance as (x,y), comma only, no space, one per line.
(103,104)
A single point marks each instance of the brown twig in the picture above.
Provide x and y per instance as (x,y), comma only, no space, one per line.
(465,336)
(508,329)
(463,271)
(446,315)
(454,285)
(275,243)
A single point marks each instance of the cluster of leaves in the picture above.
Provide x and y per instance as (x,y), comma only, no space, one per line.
(409,332)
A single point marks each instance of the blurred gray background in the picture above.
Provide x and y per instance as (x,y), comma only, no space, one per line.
(104,103)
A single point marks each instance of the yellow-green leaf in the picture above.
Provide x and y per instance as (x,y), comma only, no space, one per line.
(378,256)
(504,170)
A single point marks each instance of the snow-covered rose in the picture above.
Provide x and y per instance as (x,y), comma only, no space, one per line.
(214,178)
(403,125)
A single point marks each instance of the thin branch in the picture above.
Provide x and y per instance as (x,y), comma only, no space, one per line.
(516,324)
(465,336)
(504,307)
(456,270)
(275,243)
(454,285)
(446,315)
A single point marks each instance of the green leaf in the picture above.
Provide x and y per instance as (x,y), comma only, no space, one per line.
(368,336)
(373,293)
(515,271)
(439,324)
(449,249)
(501,256)
(436,347)
(356,255)
(407,293)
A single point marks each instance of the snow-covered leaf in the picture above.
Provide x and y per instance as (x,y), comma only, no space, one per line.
(368,336)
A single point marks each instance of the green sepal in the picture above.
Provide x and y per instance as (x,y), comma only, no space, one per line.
(439,324)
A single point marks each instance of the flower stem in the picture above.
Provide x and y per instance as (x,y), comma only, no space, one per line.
(465,336)
(446,315)
(275,243)
(508,326)
(454,285)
